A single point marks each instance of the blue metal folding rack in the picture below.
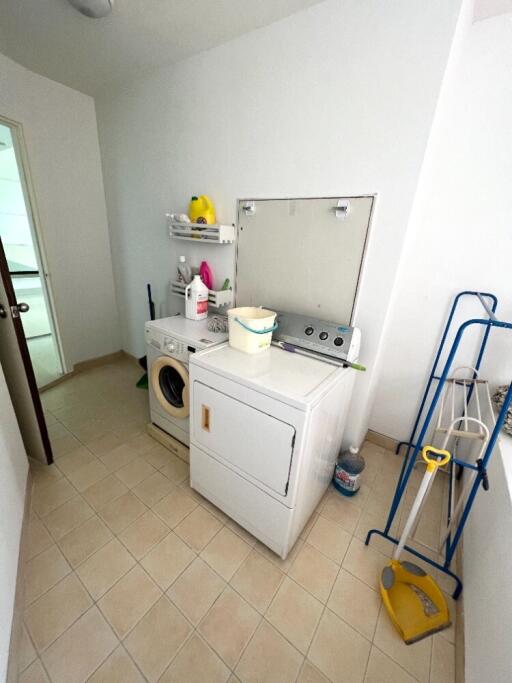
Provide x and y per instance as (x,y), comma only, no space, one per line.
(414,448)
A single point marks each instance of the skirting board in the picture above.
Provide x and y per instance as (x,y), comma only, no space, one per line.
(87,365)
(168,442)
(381,440)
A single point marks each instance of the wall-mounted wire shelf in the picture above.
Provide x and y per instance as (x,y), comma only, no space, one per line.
(216,298)
(200,232)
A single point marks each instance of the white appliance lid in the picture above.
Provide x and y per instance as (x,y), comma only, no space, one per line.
(193,332)
(287,376)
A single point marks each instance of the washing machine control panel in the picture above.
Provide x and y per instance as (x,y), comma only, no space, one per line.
(168,345)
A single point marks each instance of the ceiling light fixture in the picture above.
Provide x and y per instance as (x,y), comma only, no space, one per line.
(95,9)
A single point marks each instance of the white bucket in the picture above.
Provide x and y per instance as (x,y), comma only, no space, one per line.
(250,328)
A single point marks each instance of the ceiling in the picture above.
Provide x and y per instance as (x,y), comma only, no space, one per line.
(51,38)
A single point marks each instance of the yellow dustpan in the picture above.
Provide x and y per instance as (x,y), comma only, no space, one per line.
(412,598)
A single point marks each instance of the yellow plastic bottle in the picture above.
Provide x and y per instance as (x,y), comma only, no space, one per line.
(201,210)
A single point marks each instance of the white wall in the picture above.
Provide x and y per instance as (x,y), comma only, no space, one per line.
(460,235)
(60,131)
(13,478)
(460,238)
(334,100)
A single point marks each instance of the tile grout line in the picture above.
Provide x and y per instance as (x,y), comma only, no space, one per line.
(284,573)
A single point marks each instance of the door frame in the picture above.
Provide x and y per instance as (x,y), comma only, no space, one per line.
(29,196)
(25,356)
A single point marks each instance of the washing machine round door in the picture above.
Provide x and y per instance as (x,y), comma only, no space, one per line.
(170,384)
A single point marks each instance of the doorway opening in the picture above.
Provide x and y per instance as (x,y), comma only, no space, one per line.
(25,262)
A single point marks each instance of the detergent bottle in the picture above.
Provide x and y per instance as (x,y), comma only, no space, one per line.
(348,469)
(196,300)
(201,210)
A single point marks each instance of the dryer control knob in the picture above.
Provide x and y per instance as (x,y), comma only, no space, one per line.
(171,347)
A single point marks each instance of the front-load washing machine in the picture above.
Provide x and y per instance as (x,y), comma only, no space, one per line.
(266,428)
(169,345)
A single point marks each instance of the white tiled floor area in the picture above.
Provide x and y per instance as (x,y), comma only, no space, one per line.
(131,576)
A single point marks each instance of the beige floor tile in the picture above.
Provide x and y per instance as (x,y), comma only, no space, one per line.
(104,491)
(68,659)
(104,443)
(229,625)
(257,580)
(38,538)
(143,534)
(118,668)
(85,540)
(283,565)
(309,525)
(158,456)
(226,552)
(240,531)
(196,663)
(167,560)
(340,510)
(442,669)
(153,489)
(356,603)
(195,591)
(49,616)
(413,658)
(214,510)
(175,507)
(297,625)
(365,562)
(86,476)
(34,674)
(101,571)
(157,638)
(330,539)
(122,511)
(198,528)
(368,521)
(26,652)
(43,474)
(449,633)
(118,457)
(176,470)
(310,674)
(43,572)
(67,517)
(234,679)
(314,572)
(142,443)
(52,496)
(128,600)
(338,651)
(134,472)
(269,658)
(382,669)
(73,461)
(64,444)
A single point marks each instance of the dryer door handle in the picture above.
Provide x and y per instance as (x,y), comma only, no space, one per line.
(205,418)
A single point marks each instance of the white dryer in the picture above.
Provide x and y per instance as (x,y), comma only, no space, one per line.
(169,344)
(265,433)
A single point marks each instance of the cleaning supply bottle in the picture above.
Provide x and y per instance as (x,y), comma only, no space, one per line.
(206,274)
(196,300)
(184,270)
(348,470)
(201,210)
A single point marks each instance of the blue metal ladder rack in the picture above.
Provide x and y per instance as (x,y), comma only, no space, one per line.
(414,445)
